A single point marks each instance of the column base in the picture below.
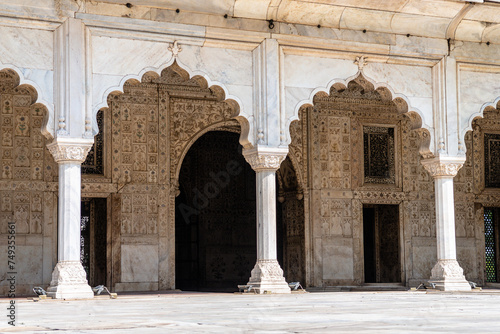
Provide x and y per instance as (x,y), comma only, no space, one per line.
(447,275)
(267,277)
(69,281)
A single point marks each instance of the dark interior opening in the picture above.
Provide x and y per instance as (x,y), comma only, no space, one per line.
(381,244)
(93,240)
(215,216)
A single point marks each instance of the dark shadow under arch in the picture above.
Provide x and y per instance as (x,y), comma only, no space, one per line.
(215,228)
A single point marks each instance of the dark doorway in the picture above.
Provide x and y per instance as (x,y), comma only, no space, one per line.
(215,225)
(290,224)
(381,243)
(93,240)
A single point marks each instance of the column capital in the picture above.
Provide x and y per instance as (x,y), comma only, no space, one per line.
(265,158)
(70,149)
(443,166)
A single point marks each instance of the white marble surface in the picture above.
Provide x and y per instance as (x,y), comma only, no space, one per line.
(327,312)
(338,261)
(43,81)
(69,211)
(256,9)
(223,65)
(407,80)
(477,90)
(119,56)
(314,72)
(429,26)
(139,263)
(29,48)
(310,13)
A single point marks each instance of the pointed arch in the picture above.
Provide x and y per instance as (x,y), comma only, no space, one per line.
(219,89)
(402,103)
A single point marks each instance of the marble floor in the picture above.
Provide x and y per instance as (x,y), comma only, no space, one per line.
(325,312)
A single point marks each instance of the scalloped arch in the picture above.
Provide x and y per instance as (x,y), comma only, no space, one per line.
(47,128)
(201,77)
(387,93)
(480,114)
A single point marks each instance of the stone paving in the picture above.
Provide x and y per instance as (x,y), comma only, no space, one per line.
(325,312)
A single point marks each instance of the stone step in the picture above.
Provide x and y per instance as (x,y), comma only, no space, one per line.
(380,287)
(364,287)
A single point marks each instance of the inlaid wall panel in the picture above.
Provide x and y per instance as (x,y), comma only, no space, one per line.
(26,181)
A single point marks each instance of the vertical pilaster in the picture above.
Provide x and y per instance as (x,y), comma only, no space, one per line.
(446,108)
(267,93)
(267,275)
(73,139)
(447,273)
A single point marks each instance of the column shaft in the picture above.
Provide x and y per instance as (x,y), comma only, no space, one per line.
(267,275)
(445,218)
(447,274)
(266,215)
(69,279)
(68,237)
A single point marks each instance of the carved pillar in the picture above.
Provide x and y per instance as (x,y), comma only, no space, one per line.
(69,278)
(447,273)
(267,275)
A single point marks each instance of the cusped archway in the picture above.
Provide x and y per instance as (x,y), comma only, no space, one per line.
(366,87)
(179,73)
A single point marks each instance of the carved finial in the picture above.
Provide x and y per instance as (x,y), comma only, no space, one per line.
(260,136)
(361,62)
(88,128)
(441,146)
(175,49)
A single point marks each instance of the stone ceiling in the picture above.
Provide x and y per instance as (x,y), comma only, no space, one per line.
(475,21)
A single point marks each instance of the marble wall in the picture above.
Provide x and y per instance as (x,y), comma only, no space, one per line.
(146,137)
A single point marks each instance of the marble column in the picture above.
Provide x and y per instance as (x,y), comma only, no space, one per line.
(447,273)
(69,279)
(267,275)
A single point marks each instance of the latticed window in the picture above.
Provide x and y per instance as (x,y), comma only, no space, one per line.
(492,160)
(379,166)
(490,244)
(93,164)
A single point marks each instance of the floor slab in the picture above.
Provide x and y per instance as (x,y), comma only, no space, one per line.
(325,312)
